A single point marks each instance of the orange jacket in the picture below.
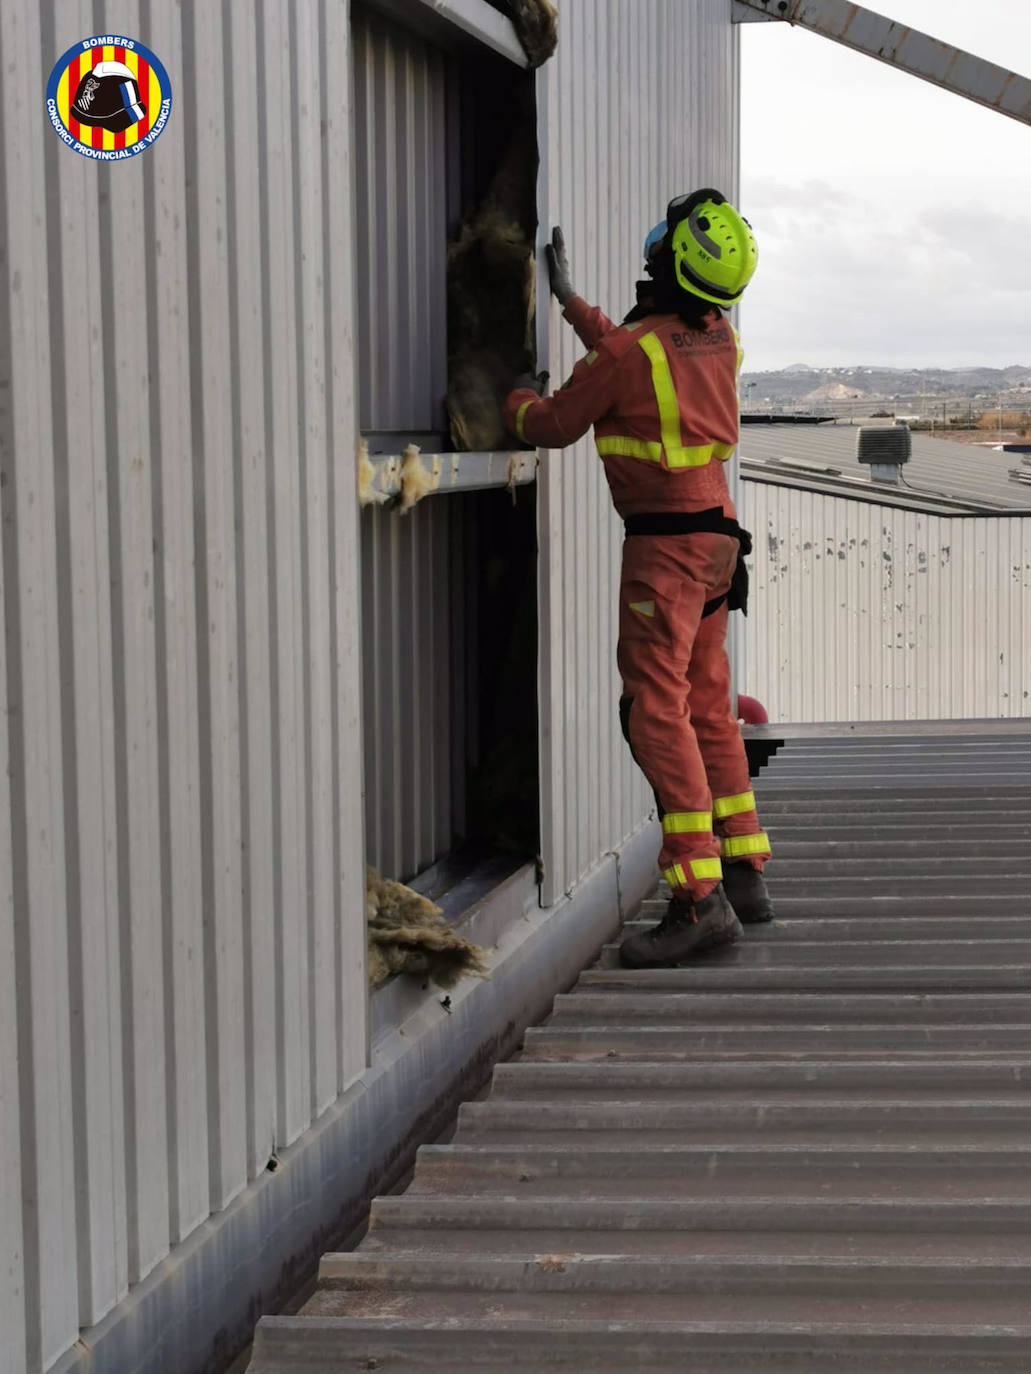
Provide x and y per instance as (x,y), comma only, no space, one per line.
(663,402)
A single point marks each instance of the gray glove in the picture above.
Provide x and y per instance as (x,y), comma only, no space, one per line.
(531,381)
(558,267)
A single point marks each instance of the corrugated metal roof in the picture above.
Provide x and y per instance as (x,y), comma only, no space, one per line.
(811,1147)
(939,468)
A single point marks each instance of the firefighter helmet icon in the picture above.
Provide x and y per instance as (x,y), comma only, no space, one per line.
(109,98)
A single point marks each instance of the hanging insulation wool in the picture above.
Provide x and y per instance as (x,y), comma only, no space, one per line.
(491,276)
(536,23)
(491,265)
(408,934)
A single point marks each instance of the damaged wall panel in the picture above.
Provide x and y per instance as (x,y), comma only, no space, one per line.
(490,264)
(867,612)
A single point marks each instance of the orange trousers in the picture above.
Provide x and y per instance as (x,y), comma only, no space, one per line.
(680,720)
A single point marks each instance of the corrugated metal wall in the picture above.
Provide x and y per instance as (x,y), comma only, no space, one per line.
(639,103)
(182,935)
(401,91)
(414,667)
(866,612)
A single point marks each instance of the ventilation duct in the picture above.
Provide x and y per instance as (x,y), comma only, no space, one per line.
(884,449)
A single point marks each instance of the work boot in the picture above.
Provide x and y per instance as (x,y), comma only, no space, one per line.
(746,891)
(688,928)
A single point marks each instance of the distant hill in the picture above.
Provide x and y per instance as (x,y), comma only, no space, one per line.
(800,383)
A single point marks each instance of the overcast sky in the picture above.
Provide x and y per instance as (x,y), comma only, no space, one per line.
(894,219)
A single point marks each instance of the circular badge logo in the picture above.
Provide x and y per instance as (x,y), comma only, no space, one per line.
(108,98)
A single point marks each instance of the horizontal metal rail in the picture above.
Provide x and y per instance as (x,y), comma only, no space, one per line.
(444,472)
(903,47)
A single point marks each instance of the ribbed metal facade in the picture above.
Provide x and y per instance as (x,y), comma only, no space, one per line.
(640,102)
(415,667)
(867,612)
(401,163)
(181,935)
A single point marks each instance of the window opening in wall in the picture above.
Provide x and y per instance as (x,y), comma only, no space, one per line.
(445,202)
(445,178)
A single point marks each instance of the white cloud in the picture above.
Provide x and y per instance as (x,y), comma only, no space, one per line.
(892,217)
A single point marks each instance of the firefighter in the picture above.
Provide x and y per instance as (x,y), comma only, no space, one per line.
(661,392)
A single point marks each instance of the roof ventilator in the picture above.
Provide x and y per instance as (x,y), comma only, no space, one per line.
(1023,473)
(884,449)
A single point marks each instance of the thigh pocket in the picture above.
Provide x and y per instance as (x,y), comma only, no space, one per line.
(648,610)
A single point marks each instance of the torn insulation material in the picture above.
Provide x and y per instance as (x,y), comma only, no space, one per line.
(491,279)
(417,480)
(536,24)
(368,495)
(407,933)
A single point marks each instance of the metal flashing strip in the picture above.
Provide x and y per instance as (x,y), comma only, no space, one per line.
(850,488)
(441,19)
(898,45)
(455,471)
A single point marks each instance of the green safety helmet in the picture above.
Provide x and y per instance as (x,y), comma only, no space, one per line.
(713,248)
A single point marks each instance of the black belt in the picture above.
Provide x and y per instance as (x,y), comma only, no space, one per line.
(711,521)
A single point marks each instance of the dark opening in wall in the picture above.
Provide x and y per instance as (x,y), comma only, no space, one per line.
(491,268)
(445,200)
(503,791)
(445,203)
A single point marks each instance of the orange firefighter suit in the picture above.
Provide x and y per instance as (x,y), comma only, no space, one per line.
(662,397)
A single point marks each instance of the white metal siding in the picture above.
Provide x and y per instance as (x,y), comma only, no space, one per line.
(182,981)
(401,177)
(866,612)
(414,647)
(639,103)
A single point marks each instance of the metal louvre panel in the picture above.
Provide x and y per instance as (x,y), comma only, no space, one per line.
(639,102)
(182,985)
(863,612)
(401,177)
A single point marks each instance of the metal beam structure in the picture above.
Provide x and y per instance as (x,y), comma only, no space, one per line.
(899,46)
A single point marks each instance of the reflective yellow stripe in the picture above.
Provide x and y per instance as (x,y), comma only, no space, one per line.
(677,455)
(519,416)
(675,876)
(613,445)
(736,845)
(686,822)
(665,393)
(690,457)
(620,446)
(706,868)
(733,806)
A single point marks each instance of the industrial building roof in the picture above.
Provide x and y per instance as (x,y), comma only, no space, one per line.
(943,475)
(807,1151)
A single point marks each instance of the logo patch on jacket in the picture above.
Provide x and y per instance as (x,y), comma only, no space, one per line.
(643,607)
